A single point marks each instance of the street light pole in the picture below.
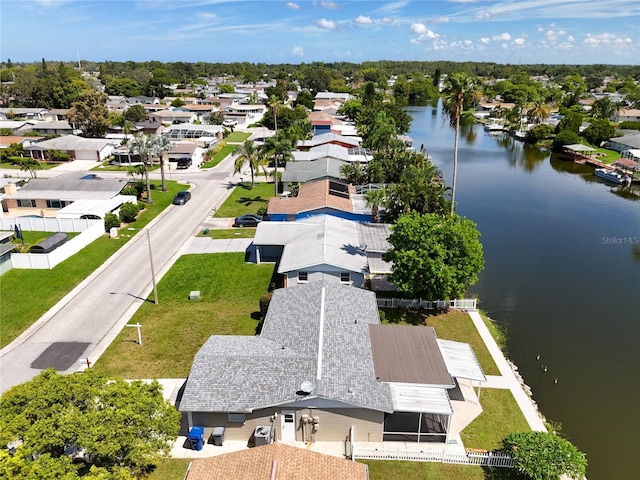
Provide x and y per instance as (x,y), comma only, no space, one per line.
(153,273)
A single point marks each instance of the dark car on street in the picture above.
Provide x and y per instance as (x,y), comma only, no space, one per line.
(249,220)
(181,198)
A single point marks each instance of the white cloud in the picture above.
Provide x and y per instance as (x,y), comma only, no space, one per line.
(326,24)
(329,5)
(387,20)
(519,41)
(502,36)
(297,50)
(485,40)
(362,20)
(419,28)
(440,20)
(292,6)
(425,37)
(482,15)
(571,39)
(605,39)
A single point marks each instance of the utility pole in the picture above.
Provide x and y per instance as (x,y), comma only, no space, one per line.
(153,273)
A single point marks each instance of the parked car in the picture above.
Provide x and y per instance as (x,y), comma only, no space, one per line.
(248,220)
(184,163)
(181,197)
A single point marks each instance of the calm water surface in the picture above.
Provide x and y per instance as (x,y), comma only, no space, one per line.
(562,273)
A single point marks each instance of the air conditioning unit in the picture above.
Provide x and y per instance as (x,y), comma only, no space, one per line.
(262,435)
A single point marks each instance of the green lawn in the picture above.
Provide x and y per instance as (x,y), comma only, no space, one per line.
(107,166)
(170,469)
(608,156)
(44,165)
(19,287)
(401,470)
(237,137)
(501,416)
(245,199)
(174,330)
(224,234)
(31,238)
(453,325)
(219,156)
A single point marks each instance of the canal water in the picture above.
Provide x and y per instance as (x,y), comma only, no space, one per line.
(562,274)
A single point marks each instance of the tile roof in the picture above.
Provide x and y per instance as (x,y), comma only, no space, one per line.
(276,461)
(316,331)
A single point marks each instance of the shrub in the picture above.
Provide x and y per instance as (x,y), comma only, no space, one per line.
(130,190)
(629,125)
(128,212)
(262,210)
(111,220)
(140,187)
(567,137)
(264,304)
(539,132)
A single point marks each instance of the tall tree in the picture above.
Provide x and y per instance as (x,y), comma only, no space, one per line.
(143,146)
(90,113)
(457,86)
(434,256)
(123,427)
(278,147)
(160,145)
(248,154)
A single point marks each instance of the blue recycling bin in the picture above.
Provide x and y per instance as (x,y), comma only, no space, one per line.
(196,437)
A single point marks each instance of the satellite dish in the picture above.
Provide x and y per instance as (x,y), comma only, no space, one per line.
(307,386)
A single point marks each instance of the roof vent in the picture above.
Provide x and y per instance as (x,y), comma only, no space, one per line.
(306,387)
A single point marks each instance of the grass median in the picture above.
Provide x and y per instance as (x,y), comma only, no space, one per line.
(26,295)
(174,330)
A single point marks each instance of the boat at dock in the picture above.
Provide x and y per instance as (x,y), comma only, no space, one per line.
(612,176)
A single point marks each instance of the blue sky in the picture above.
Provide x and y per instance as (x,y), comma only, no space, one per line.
(502,31)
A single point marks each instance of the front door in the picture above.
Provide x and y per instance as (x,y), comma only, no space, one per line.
(288,425)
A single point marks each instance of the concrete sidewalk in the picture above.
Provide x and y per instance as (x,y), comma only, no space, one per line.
(209,245)
(508,378)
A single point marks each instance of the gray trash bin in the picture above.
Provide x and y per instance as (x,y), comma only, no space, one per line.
(217,436)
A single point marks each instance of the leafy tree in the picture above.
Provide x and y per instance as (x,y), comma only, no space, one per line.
(135,113)
(90,113)
(539,132)
(545,456)
(126,87)
(599,131)
(434,256)
(226,88)
(571,121)
(305,99)
(249,154)
(124,427)
(566,137)
(457,87)
(31,165)
(604,108)
(177,102)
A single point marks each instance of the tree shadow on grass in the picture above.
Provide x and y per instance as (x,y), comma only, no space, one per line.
(246,201)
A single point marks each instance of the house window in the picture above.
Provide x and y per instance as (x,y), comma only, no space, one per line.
(236,418)
(303,277)
(26,203)
(56,203)
(345,277)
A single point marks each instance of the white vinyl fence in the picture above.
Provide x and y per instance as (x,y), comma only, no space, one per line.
(419,304)
(90,231)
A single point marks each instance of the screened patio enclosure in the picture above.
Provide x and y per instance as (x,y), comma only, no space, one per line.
(422,414)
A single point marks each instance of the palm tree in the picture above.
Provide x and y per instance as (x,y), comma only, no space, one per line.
(457,86)
(159,146)
(274,104)
(31,165)
(278,147)
(249,154)
(142,145)
(374,199)
(539,111)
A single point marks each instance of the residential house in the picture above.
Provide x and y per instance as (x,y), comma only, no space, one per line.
(202,112)
(204,135)
(62,127)
(20,113)
(322,122)
(321,197)
(180,150)
(17,127)
(626,142)
(44,197)
(324,248)
(244,113)
(322,364)
(171,117)
(328,138)
(6,247)
(627,115)
(79,148)
(343,97)
(7,140)
(277,461)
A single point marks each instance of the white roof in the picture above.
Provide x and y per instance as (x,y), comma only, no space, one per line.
(94,206)
(461,361)
(411,397)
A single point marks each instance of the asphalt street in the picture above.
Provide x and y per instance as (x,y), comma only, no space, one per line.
(75,328)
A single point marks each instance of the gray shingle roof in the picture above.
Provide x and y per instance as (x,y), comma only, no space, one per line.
(71,186)
(324,331)
(305,171)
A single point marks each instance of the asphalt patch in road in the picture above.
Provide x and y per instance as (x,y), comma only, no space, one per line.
(60,355)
